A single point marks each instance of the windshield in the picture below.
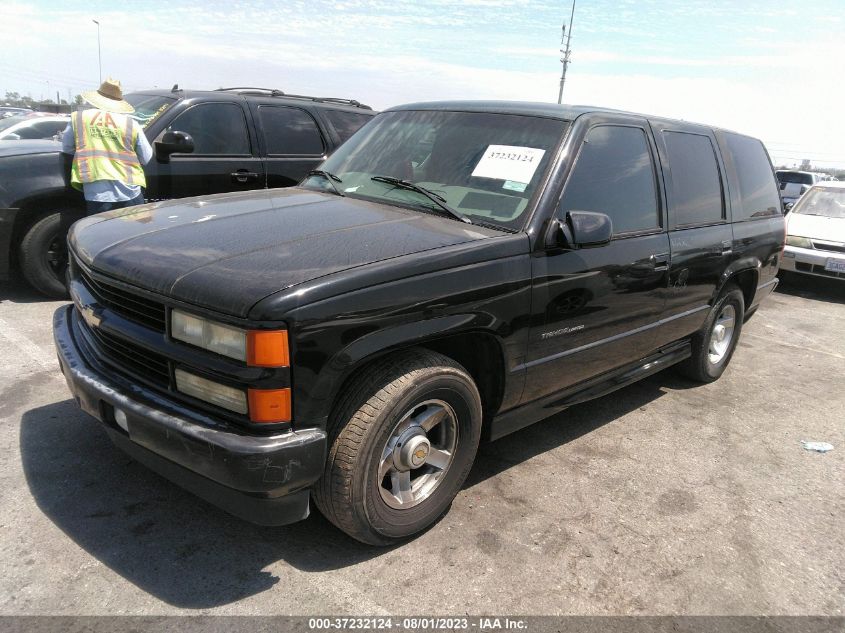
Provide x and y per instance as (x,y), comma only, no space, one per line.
(829,202)
(148,107)
(485,166)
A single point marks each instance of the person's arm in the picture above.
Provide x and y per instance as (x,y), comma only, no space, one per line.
(142,147)
(68,150)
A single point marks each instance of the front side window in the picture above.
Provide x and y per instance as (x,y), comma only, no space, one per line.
(487,166)
(757,190)
(695,196)
(289,131)
(217,128)
(614,175)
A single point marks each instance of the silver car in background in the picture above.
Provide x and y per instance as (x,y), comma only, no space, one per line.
(815,232)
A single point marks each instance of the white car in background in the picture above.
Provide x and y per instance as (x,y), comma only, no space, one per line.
(815,232)
(33,126)
(793,184)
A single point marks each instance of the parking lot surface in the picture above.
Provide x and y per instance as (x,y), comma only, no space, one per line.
(663,498)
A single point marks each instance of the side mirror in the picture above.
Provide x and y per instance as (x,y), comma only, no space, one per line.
(581,229)
(13,137)
(590,228)
(788,206)
(172,143)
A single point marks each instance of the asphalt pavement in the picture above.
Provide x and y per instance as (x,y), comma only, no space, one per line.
(664,498)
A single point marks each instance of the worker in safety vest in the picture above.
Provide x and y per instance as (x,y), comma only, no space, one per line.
(108,149)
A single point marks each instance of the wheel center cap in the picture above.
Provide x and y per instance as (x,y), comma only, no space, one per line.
(720,332)
(413,453)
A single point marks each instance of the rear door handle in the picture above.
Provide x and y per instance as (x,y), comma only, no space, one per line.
(727,247)
(242,175)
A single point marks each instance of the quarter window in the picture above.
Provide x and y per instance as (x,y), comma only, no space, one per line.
(289,131)
(614,174)
(217,128)
(696,191)
(757,190)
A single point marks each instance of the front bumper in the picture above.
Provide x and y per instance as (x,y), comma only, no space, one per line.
(810,261)
(262,479)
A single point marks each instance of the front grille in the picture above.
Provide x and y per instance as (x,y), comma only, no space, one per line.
(836,248)
(128,357)
(127,304)
(817,270)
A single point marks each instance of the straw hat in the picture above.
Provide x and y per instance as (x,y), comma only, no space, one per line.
(108,97)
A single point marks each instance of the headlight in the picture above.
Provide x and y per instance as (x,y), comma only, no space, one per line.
(800,242)
(209,391)
(214,337)
(259,348)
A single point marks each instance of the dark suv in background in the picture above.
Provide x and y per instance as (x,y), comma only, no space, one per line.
(218,141)
(456,271)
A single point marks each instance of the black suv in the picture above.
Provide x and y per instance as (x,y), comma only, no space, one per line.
(453,273)
(205,142)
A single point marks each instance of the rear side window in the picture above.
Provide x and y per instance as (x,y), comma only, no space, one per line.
(346,123)
(614,174)
(289,131)
(696,191)
(757,191)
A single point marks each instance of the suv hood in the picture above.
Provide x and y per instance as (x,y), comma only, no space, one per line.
(228,251)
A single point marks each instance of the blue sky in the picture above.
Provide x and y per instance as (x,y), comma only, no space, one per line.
(765,68)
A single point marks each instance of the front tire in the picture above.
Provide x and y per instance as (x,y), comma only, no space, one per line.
(43,256)
(713,346)
(401,443)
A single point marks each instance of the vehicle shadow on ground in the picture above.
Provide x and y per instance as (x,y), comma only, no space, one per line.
(807,287)
(16,291)
(188,553)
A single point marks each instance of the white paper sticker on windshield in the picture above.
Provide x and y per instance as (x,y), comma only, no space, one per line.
(508,162)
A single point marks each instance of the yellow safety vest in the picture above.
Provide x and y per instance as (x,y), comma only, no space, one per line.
(105,149)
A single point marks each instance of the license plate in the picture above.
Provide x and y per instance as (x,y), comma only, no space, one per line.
(835,265)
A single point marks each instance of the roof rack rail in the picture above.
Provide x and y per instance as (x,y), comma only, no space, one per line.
(273,92)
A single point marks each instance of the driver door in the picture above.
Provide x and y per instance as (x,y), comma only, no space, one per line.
(597,307)
(224,159)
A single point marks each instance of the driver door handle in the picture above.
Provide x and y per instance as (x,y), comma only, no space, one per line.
(243,175)
(660,261)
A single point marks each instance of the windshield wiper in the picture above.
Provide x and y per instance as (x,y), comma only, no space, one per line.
(330,178)
(440,201)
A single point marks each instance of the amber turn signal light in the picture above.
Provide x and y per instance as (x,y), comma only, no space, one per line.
(267,406)
(267,348)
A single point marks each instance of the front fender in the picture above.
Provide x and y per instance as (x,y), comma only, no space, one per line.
(7,224)
(342,365)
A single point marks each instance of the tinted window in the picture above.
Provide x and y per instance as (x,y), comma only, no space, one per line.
(795,177)
(346,123)
(757,191)
(217,128)
(614,175)
(696,191)
(289,131)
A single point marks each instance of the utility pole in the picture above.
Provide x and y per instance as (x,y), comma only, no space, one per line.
(565,52)
(99,55)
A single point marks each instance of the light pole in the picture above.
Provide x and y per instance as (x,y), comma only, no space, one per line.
(565,52)
(99,55)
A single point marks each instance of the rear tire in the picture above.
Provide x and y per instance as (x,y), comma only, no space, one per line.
(43,256)
(401,443)
(714,345)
